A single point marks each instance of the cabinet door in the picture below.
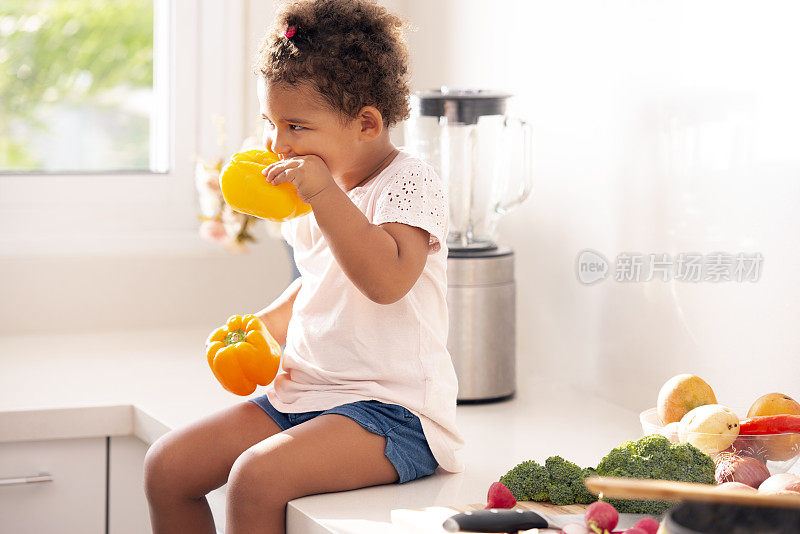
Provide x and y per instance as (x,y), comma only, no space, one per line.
(75,500)
(127,504)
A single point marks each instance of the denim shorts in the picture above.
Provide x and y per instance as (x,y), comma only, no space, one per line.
(406,446)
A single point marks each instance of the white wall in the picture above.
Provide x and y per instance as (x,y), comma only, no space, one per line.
(660,127)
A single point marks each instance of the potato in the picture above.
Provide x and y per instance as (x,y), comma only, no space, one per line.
(711,428)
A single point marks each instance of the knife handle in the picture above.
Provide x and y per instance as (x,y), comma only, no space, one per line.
(494,520)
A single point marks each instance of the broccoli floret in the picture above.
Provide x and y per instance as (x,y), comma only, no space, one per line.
(583,495)
(565,477)
(562,470)
(618,460)
(701,466)
(561,493)
(527,481)
(651,446)
(655,457)
(639,507)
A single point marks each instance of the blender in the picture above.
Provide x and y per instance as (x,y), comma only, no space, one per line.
(484,158)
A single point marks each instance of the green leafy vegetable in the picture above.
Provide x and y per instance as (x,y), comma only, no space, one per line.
(653,457)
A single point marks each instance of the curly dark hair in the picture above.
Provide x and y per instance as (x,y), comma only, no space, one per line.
(353,52)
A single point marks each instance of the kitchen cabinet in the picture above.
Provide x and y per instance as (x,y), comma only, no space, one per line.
(97,486)
(127,505)
(73,502)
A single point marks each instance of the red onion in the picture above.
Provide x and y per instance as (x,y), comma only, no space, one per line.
(734,468)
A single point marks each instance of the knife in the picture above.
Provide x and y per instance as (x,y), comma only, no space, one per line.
(495,520)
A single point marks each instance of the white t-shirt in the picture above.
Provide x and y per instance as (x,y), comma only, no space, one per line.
(342,347)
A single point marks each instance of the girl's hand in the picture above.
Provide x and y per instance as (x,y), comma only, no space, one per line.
(309,174)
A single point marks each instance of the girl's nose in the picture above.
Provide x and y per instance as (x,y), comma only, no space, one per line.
(275,143)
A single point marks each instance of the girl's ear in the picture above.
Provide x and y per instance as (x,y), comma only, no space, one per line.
(371,123)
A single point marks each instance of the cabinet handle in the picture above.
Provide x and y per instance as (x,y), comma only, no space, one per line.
(41,477)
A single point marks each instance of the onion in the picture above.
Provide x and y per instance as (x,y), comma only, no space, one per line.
(735,486)
(781,482)
(782,492)
(734,468)
(748,446)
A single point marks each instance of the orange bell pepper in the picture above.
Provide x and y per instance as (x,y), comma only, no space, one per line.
(242,353)
(246,190)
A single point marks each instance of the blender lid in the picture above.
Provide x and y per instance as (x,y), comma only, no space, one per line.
(462,106)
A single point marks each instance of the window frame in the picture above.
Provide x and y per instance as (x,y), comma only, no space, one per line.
(145,212)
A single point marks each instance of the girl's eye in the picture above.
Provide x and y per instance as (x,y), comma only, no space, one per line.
(293,127)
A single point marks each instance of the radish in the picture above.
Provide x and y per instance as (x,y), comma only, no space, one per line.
(575,528)
(500,496)
(648,524)
(601,516)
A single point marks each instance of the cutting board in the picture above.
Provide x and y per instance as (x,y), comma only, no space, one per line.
(429,520)
(542,507)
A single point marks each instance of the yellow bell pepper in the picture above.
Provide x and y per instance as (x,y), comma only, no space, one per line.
(242,353)
(246,190)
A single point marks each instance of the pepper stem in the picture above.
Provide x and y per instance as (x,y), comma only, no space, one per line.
(234,337)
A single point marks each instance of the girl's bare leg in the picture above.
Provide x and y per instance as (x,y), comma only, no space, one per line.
(328,453)
(187,463)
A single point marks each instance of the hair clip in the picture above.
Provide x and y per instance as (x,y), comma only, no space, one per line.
(290,31)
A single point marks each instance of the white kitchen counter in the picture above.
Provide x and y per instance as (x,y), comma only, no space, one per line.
(147,382)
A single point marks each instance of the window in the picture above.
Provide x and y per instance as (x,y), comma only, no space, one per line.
(201,67)
(78,92)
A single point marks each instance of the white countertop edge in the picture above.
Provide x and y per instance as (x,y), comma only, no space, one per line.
(148,427)
(76,422)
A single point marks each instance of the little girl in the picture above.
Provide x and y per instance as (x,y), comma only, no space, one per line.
(367,392)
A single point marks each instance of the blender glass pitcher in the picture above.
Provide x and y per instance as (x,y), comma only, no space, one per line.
(482,155)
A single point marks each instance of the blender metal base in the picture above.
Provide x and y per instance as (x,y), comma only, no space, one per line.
(462,402)
(481,298)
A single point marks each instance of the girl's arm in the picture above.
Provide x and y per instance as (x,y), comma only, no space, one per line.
(384,262)
(276,316)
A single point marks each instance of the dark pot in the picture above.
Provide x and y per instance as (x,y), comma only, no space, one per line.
(717,518)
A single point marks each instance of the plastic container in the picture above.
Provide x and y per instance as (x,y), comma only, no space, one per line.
(778,451)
